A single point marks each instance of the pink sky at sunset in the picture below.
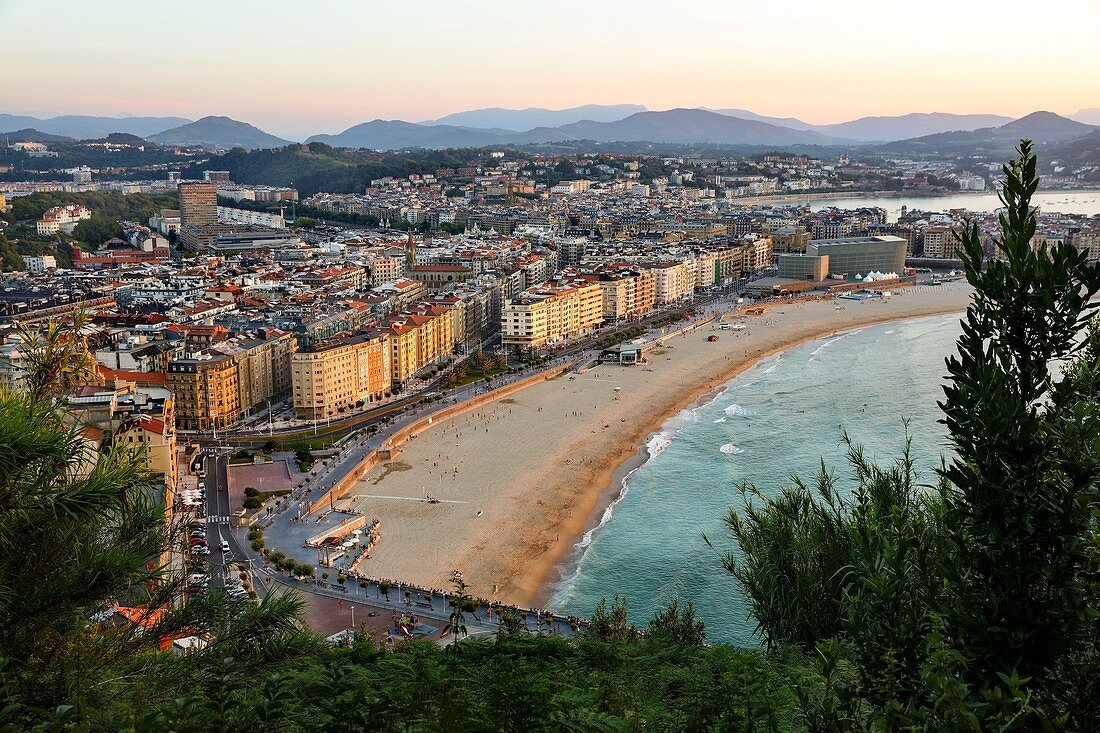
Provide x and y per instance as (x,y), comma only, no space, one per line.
(303,68)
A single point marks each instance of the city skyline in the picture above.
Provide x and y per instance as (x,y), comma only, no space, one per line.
(350,64)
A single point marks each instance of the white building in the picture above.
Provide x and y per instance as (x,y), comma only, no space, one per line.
(62,219)
(258,218)
(38,265)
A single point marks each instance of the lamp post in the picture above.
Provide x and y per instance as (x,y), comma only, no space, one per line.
(353,617)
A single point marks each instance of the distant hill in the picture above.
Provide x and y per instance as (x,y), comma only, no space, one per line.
(1089,115)
(122,138)
(219,132)
(525,119)
(83,127)
(881,129)
(1045,127)
(30,135)
(792,122)
(1040,127)
(675,126)
(681,126)
(916,124)
(396,134)
(1080,151)
(319,167)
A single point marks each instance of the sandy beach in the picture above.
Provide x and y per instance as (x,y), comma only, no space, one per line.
(520,480)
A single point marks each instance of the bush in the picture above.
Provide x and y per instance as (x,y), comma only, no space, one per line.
(252,502)
(251,491)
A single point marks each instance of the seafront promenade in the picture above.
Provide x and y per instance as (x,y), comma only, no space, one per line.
(520,477)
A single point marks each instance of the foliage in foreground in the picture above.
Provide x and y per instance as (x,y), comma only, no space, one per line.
(972,604)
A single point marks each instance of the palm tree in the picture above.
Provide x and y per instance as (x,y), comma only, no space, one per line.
(456,622)
(57,358)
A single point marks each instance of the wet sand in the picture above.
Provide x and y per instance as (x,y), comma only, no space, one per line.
(520,480)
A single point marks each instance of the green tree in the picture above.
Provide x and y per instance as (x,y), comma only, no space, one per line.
(1020,515)
(678,626)
(10,259)
(969,604)
(81,533)
(97,230)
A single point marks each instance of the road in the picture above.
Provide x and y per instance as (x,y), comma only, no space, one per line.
(218,527)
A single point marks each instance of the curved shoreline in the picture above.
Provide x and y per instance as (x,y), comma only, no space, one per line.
(567,558)
(522,479)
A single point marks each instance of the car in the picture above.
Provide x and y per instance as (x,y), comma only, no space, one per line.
(201,549)
(199,541)
(225,546)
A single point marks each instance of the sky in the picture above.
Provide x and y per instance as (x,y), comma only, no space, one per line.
(299,68)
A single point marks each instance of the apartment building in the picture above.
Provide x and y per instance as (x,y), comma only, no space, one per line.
(334,375)
(39,265)
(140,419)
(938,242)
(419,338)
(263,366)
(673,281)
(1088,242)
(385,269)
(206,390)
(551,313)
(625,293)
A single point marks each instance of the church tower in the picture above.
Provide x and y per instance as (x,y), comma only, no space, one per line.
(410,254)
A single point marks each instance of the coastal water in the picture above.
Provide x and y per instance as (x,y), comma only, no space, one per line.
(775,420)
(1062,202)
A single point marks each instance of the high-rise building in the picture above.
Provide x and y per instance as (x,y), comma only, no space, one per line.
(198,213)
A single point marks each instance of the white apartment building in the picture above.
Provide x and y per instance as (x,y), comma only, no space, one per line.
(62,219)
(674,281)
(38,265)
(256,218)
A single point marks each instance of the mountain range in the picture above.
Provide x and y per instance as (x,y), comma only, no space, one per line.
(84,127)
(904,134)
(518,120)
(1041,127)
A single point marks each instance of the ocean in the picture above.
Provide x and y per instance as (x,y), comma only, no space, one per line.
(776,420)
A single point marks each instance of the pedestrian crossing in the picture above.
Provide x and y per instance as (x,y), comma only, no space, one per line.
(217,519)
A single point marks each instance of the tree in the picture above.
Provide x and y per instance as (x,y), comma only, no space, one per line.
(456,623)
(677,626)
(10,259)
(1025,470)
(58,358)
(81,534)
(610,625)
(97,229)
(969,604)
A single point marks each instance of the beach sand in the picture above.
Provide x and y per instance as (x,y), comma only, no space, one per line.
(536,470)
